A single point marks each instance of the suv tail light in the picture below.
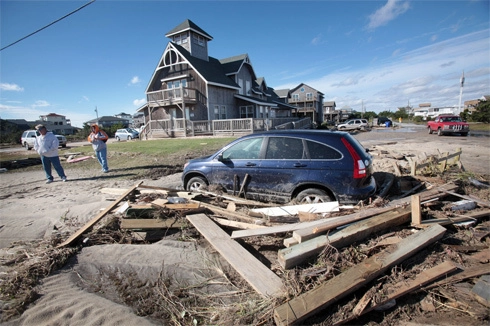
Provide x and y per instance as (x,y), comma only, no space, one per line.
(359,166)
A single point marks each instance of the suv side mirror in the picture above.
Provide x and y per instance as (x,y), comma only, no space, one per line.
(33,136)
(220,157)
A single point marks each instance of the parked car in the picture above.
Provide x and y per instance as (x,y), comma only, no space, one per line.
(448,124)
(126,134)
(353,124)
(28,138)
(307,166)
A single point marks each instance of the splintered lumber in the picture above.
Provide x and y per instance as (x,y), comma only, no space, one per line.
(470,272)
(307,304)
(416,211)
(149,223)
(477,200)
(274,229)
(293,210)
(327,224)
(460,218)
(407,286)
(161,204)
(306,233)
(290,257)
(224,212)
(262,279)
(235,224)
(87,226)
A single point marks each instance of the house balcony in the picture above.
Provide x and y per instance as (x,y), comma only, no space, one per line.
(173,96)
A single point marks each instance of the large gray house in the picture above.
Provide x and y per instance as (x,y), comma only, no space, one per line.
(190,89)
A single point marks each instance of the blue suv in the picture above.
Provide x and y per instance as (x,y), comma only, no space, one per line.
(307,166)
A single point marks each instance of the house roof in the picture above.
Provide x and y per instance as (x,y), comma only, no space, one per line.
(284,93)
(212,71)
(329,103)
(303,84)
(253,100)
(188,25)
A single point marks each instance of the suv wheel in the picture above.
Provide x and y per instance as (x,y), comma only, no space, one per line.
(196,183)
(117,138)
(26,145)
(129,137)
(313,196)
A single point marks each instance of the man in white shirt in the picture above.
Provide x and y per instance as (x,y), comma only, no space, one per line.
(47,146)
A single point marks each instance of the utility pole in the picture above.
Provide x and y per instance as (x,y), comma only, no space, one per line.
(461,92)
(97,114)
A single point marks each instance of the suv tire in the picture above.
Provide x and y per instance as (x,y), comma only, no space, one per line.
(26,145)
(196,183)
(313,196)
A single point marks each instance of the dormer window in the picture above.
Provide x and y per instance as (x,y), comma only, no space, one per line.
(198,39)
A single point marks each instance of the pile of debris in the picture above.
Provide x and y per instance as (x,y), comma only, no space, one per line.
(432,239)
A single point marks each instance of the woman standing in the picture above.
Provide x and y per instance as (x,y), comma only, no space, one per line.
(98,138)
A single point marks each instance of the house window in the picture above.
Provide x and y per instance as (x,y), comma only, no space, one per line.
(295,97)
(198,39)
(302,89)
(219,112)
(246,111)
(309,96)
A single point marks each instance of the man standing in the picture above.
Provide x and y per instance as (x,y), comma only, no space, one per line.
(46,145)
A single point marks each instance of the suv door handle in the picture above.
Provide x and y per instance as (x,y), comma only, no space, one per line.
(299,165)
(250,164)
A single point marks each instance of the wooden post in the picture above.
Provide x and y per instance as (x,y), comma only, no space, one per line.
(416,215)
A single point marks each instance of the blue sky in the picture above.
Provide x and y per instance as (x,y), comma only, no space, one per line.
(379,55)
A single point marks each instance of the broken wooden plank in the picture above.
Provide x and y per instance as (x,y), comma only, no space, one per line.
(470,272)
(290,257)
(416,211)
(460,218)
(307,304)
(407,286)
(224,212)
(149,223)
(160,204)
(88,225)
(477,200)
(314,231)
(304,234)
(292,210)
(236,224)
(273,229)
(262,279)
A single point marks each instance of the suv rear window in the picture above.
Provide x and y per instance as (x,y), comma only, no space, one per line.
(322,152)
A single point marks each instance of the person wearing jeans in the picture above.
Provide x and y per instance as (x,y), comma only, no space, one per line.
(98,138)
(46,145)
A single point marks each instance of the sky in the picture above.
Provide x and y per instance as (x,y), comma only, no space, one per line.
(366,55)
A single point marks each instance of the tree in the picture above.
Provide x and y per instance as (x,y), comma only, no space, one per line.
(482,113)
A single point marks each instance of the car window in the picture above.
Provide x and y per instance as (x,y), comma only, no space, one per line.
(281,148)
(246,149)
(322,152)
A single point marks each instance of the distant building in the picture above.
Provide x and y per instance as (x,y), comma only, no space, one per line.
(54,122)
(330,112)
(472,104)
(108,121)
(309,102)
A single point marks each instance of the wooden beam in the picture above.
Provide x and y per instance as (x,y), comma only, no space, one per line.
(407,286)
(479,201)
(310,232)
(235,224)
(416,213)
(295,255)
(150,223)
(307,304)
(274,229)
(98,217)
(262,279)
(224,212)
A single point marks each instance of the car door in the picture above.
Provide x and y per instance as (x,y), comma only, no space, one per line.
(284,166)
(238,160)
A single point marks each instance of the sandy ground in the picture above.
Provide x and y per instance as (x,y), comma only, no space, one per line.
(31,210)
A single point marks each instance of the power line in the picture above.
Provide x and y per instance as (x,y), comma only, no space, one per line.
(74,11)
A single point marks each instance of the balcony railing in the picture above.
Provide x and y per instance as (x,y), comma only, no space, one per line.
(174,95)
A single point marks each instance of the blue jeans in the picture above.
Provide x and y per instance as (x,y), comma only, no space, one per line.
(55,161)
(102,158)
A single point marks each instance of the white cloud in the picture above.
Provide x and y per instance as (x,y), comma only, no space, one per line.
(139,102)
(385,14)
(11,87)
(316,40)
(135,80)
(40,103)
